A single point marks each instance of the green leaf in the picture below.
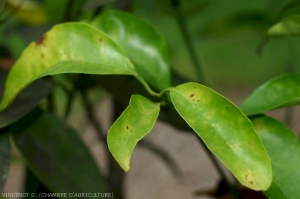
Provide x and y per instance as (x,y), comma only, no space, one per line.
(66,48)
(2,5)
(57,155)
(143,44)
(282,91)
(283,147)
(226,131)
(253,19)
(56,9)
(4,159)
(289,26)
(27,100)
(28,12)
(135,122)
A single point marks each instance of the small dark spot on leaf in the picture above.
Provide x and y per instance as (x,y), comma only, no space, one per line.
(41,40)
(192,95)
(100,40)
(127,127)
(42,55)
(131,131)
(193,100)
(251,182)
(249,143)
(246,176)
(197,100)
(227,108)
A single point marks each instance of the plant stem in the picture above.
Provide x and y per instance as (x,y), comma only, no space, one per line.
(288,116)
(264,41)
(115,177)
(164,156)
(289,68)
(92,117)
(201,78)
(51,102)
(273,6)
(164,91)
(219,169)
(146,86)
(181,20)
(68,11)
(70,102)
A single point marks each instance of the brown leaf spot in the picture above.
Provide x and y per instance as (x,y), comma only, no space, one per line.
(127,127)
(192,95)
(100,40)
(41,40)
(251,182)
(246,176)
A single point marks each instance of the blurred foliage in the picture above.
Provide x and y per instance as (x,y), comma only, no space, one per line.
(289,26)
(25,10)
(228,52)
(227,36)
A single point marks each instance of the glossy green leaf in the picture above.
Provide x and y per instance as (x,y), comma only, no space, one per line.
(27,100)
(143,44)
(66,48)
(289,26)
(282,91)
(57,155)
(226,131)
(135,122)
(4,158)
(283,147)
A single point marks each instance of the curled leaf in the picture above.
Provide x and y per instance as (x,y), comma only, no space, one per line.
(135,122)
